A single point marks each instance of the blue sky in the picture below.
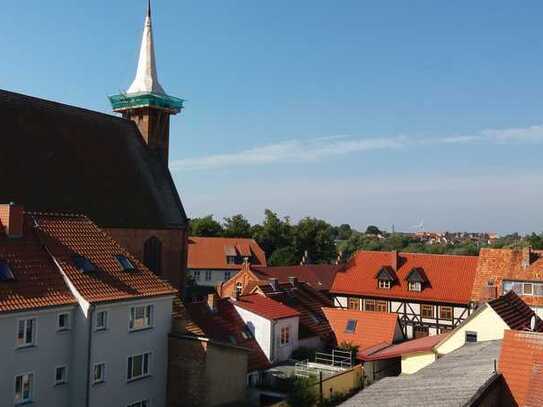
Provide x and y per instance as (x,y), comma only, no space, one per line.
(360,112)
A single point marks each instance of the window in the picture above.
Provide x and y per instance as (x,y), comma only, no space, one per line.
(415,286)
(23,388)
(420,331)
(426,311)
(239,288)
(152,254)
(141,317)
(384,284)
(101,321)
(125,263)
(381,306)
(528,289)
(99,375)
(446,313)
(231,259)
(353,303)
(208,275)
(227,275)
(5,272)
(63,322)
(196,275)
(26,332)
(351,326)
(471,336)
(138,366)
(83,264)
(523,288)
(143,403)
(369,305)
(61,375)
(285,335)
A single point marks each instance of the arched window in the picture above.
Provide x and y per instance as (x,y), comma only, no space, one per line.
(152,254)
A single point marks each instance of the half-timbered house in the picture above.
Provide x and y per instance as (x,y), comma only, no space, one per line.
(431,293)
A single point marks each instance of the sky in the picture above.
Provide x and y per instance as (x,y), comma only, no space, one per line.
(361,112)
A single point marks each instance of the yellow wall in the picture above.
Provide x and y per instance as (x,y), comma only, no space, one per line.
(488,325)
(414,362)
(341,383)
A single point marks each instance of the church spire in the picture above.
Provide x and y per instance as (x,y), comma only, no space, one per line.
(146,80)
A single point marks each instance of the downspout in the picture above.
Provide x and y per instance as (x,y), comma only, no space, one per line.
(89,354)
(272,343)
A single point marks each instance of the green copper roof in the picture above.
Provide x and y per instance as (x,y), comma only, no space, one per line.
(132,101)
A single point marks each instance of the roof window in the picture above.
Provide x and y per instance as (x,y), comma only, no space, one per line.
(5,272)
(84,264)
(125,263)
(351,326)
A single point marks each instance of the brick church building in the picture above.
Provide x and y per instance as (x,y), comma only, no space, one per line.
(65,159)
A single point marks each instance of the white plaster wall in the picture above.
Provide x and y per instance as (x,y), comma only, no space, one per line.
(217,277)
(283,352)
(340,302)
(261,328)
(538,311)
(414,362)
(51,350)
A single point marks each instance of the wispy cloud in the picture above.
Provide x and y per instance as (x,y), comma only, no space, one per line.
(321,148)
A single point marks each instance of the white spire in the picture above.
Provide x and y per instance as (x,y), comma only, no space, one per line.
(146,77)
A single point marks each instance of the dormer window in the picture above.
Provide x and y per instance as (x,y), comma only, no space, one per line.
(417,280)
(84,264)
(384,284)
(231,259)
(5,272)
(125,263)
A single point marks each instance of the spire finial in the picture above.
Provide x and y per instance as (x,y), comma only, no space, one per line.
(149,8)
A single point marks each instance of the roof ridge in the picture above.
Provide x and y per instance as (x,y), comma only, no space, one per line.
(415,253)
(57,214)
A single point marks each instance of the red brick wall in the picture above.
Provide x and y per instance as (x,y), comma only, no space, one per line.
(174,249)
(11,219)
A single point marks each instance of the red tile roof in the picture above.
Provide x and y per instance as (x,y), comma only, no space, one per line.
(38,283)
(224,325)
(450,277)
(211,252)
(318,276)
(372,328)
(521,364)
(307,301)
(69,235)
(424,344)
(515,312)
(265,307)
(496,265)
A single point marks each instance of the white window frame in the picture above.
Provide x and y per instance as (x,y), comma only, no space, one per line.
(284,339)
(106,317)
(30,398)
(140,403)
(68,325)
(196,275)
(208,275)
(34,332)
(65,380)
(144,374)
(104,373)
(227,275)
(150,317)
(415,286)
(384,284)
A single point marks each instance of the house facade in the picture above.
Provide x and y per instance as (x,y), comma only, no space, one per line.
(214,260)
(430,293)
(82,320)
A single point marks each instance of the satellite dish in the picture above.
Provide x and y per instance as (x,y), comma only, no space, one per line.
(532,323)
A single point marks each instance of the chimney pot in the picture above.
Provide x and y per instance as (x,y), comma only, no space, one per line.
(395,260)
(12,219)
(212,302)
(293,281)
(274,282)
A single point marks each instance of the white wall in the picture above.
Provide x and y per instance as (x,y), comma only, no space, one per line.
(283,352)
(261,329)
(340,302)
(51,350)
(217,277)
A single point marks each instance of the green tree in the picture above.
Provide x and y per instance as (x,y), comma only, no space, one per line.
(285,256)
(343,232)
(317,238)
(205,227)
(274,233)
(373,230)
(302,393)
(236,226)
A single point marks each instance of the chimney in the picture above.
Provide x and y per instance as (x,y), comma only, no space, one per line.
(12,219)
(293,281)
(526,257)
(395,263)
(274,282)
(212,300)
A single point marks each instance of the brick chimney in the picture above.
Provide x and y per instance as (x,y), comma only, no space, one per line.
(395,261)
(274,282)
(12,219)
(526,257)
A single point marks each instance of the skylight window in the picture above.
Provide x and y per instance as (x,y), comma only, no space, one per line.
(84,264)
(351,326)
(5,272)
(125,263)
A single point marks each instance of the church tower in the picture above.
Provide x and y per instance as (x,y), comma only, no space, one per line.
(146,103)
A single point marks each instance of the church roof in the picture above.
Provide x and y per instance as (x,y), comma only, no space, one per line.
(60,158)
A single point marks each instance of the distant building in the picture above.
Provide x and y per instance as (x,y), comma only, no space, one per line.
(214,260)
(83,322)
(430,293)
(502,270)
